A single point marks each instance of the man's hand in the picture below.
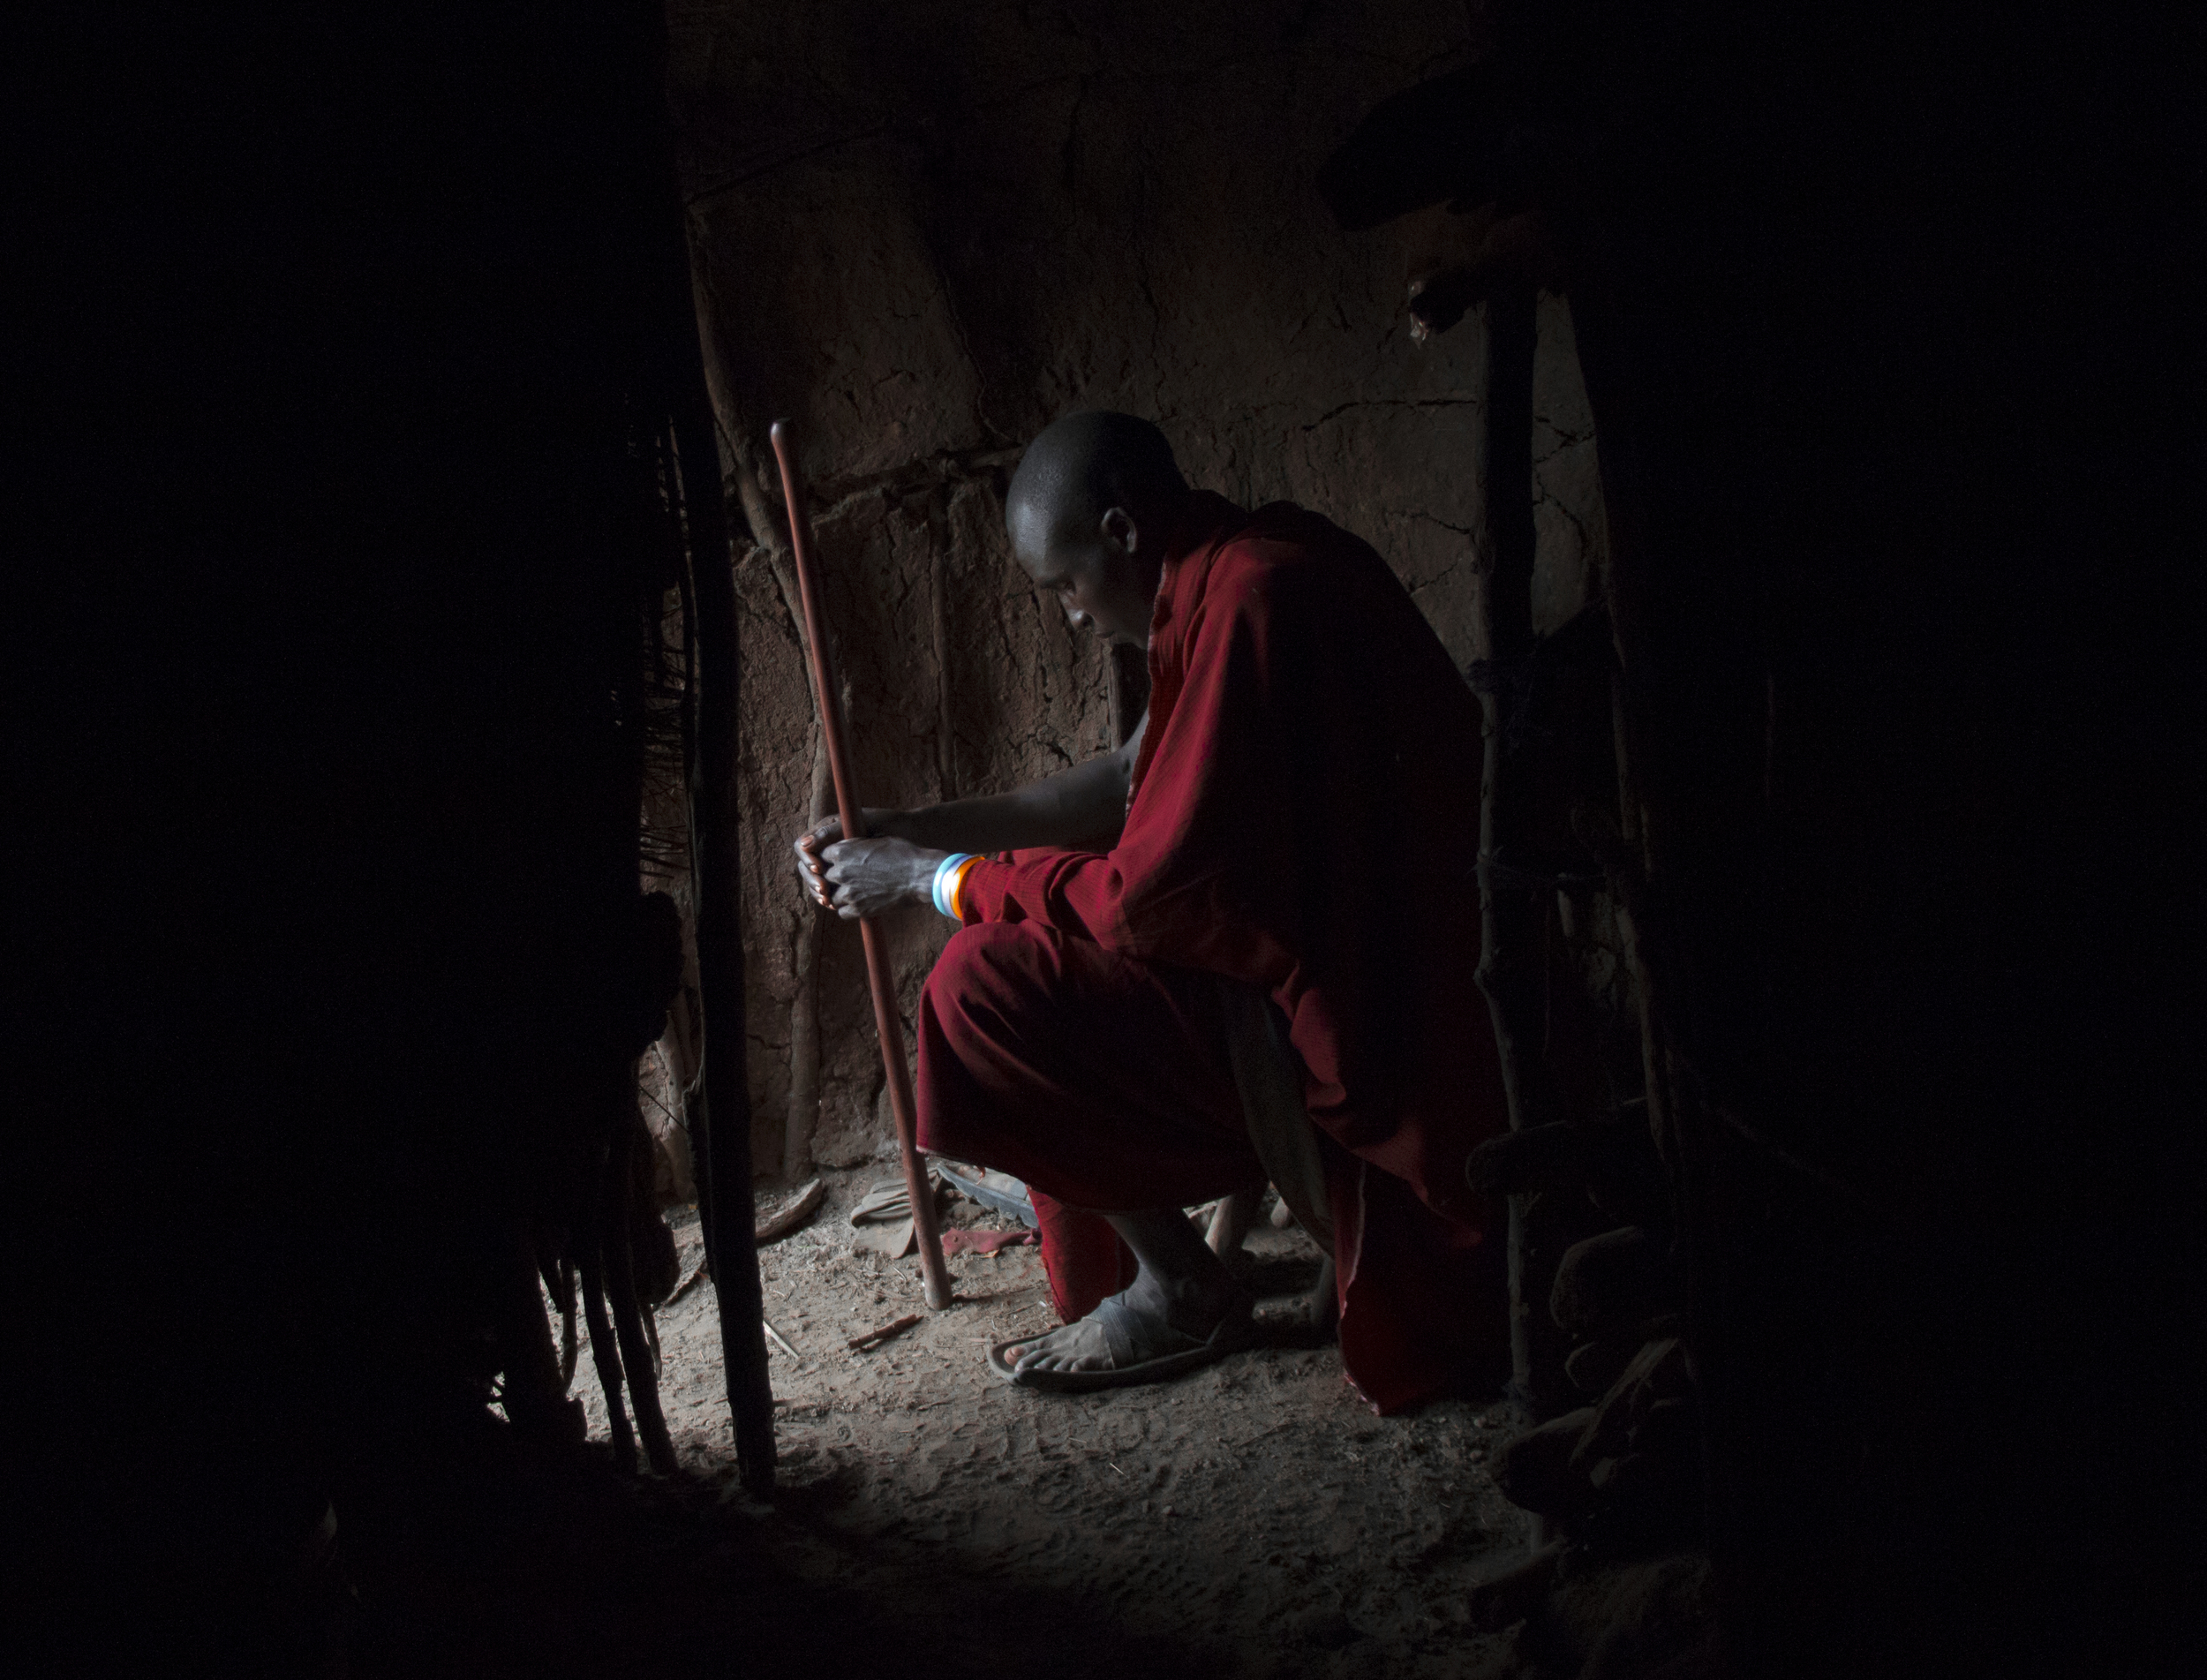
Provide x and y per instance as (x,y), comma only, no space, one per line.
(864,877)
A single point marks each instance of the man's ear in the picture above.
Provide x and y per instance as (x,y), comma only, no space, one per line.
(1119,530)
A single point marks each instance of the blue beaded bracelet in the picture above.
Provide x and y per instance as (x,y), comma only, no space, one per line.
(944,872)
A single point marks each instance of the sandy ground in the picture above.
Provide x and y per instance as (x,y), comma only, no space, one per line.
(1253,1519)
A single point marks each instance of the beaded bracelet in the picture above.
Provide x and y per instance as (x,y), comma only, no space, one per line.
(954,890)
(948,875)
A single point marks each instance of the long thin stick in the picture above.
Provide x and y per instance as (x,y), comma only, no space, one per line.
(724,1105)
(782,1342)
(603,1350)
(934,1277)
(617,1199)
(801,1118)
(888,1332)
(1510,920)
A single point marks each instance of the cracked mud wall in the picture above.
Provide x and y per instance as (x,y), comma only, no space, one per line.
(928,230)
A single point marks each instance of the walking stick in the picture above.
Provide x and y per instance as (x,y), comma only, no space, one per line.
(885,1018)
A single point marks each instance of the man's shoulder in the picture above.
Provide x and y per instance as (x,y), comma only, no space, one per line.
(1289,525)
(1282,544)
(1303,575)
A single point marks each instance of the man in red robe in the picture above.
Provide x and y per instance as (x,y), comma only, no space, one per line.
(1292,831)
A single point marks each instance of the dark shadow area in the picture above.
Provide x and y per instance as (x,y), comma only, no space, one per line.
(343,519)
(491,1566)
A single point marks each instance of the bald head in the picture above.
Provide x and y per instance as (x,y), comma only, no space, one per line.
(1090,507)
(1087,463)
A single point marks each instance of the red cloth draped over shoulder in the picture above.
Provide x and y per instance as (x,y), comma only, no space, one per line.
(1305,817)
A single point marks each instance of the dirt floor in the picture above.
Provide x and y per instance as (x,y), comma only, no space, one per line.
(1254,1518)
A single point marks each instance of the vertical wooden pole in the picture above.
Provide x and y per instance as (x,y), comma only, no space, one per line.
(1510,941)
(935,1277)
(739,454)
(716,871)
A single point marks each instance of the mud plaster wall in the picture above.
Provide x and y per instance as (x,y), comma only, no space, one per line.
(929,230)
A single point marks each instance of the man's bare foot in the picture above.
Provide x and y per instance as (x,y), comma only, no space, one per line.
(1147,1329)
(1177,1303)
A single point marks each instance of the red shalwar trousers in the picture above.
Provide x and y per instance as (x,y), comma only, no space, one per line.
(1102,1082)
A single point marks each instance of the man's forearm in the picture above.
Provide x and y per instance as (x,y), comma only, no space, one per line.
(1082,806)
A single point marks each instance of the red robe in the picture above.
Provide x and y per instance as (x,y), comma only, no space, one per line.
(1305,817)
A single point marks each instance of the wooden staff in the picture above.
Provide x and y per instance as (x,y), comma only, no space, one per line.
(885,1018)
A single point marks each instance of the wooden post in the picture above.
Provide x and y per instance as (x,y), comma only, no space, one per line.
(1511,925)
(739,456)
(724,1107)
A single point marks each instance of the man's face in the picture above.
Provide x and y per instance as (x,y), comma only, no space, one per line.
(1100,577)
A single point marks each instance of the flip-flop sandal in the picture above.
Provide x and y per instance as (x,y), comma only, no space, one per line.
(1235,1332)
(998,1191)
